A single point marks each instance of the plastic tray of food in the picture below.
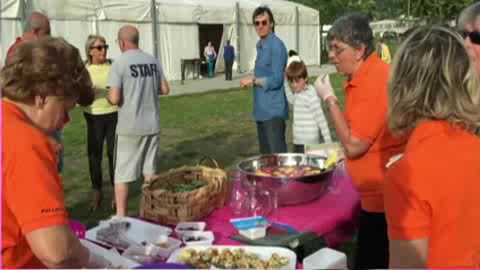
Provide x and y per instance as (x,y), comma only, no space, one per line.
(198,238)
(122,232)
(183,227)
(112,256)
(235,257)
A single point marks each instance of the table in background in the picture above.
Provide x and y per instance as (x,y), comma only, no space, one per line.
(195,63)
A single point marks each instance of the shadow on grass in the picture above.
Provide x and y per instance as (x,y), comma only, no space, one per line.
(227,148)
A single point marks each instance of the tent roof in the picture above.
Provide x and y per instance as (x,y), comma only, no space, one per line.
(174,11)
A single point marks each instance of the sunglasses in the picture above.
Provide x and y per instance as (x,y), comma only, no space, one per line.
(264,22)
(101,47)
(474,36)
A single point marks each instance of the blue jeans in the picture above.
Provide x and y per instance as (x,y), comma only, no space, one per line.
(210,64)
(271,136)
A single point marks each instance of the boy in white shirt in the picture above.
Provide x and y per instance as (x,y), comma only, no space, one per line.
(309,123)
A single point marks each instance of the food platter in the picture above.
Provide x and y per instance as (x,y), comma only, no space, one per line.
(263,253)
(117,261)
(138,231)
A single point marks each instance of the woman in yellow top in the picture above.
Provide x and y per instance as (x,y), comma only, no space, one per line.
(101,116)
(384,52)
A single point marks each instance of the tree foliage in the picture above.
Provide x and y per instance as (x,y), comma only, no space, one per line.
(430,10)
(438,10)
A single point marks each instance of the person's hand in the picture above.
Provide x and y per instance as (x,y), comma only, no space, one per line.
(246,82)
(324,87)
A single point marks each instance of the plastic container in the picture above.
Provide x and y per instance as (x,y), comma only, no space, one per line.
(198,238)
(184,227)
(78,229)
(140,254)
(325,258)
(163,246)
(252,227)
(254,233)
(163,266)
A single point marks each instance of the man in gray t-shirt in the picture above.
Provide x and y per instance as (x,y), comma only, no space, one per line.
(136,79)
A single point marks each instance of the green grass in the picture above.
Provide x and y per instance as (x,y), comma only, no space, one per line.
(218,124)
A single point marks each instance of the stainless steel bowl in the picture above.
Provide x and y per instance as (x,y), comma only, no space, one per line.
(290,190)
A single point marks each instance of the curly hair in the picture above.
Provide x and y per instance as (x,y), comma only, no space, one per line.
(46,67)
(432,78)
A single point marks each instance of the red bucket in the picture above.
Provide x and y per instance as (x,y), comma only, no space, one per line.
(78,229)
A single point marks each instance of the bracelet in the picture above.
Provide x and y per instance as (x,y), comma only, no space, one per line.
(330,102)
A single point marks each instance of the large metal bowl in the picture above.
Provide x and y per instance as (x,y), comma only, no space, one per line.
(290,190)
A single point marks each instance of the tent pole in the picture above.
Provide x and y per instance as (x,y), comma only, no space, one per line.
(320,40)
(297,30)
(153,13)
(23,13)
(237,18)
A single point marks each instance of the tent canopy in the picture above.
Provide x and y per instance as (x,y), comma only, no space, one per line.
(177,23)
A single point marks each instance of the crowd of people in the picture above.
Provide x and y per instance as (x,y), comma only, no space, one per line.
(407,132)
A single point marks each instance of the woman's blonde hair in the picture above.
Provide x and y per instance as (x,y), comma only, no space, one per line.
(46,67)
(89,43)
(432,78)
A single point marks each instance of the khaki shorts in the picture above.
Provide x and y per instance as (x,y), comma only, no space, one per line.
(135,156)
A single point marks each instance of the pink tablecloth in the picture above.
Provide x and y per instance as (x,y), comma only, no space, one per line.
(331,216)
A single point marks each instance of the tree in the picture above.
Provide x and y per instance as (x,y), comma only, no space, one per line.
(438,10)
(375,9)
(429,10)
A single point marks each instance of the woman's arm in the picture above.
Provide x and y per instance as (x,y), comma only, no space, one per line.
(353,146)
(411,254)
(57,247)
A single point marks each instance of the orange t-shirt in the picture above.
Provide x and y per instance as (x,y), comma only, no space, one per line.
(32,193)
(366,114)
(433,192)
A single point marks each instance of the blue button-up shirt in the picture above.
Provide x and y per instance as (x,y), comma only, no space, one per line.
(228,53)
(269,99)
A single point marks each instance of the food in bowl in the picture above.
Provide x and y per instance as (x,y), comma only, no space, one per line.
(188,229)
(288,171)
(226,258)
(195,238)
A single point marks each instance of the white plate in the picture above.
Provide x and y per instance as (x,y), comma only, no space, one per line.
(263,252)
(139,230)
(115,259)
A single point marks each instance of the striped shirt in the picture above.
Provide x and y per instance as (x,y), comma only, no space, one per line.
(309,123)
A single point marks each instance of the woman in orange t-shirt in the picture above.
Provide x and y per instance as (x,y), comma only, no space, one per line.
(432,191)
(40,81)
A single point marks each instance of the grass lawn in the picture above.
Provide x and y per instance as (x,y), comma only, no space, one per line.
(218,124)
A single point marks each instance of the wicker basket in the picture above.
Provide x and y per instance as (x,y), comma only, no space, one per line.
(168,207)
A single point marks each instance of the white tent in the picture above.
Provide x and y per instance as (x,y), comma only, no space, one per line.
(169,29)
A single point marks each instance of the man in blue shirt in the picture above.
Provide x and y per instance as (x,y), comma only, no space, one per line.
(270,108)
(229,57)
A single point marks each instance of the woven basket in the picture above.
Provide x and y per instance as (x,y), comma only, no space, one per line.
(167,207)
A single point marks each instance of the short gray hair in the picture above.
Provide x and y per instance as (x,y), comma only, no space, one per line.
(468,15)
(354,30)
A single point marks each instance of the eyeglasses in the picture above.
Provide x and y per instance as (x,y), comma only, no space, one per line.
(474,36)
(336,50)
(100,47)
(264,22)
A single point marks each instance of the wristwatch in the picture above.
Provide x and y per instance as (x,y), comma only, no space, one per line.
(254,80)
